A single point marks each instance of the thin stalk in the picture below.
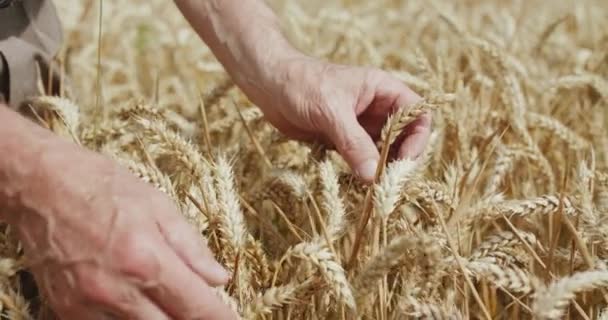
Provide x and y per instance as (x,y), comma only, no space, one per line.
(368,204)
(255,141)
(463,270)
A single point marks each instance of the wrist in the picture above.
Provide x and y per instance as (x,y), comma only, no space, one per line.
(22,145)
(35,161)
(263,79)
(299,78)
(287,72)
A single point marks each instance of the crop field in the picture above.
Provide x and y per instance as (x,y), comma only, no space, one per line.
(504,216)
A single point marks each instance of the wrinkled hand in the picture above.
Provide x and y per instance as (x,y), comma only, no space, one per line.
(302,96)
(345,107)
(104,245)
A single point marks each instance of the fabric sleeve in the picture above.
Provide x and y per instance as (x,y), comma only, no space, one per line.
(30,35)
(22,61)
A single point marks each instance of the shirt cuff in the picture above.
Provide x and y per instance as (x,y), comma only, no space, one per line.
(21,62)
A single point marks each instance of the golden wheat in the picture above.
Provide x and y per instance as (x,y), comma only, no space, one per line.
(503,216)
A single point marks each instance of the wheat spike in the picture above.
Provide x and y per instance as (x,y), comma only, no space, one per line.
(509,277)
(397,122)
(551,302)
(332,201)
(499,241)
(413,308)
(576,81)
(67,121)
(390,257)
(323,259)
(552,125)
(275,297)
(544,205)
(230,217)
(387,192)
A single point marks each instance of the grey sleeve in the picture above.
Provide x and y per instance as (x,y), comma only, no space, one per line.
(30,35)
(21,70)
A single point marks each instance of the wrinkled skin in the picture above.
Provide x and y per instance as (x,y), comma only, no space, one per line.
(100,242)
(346,107)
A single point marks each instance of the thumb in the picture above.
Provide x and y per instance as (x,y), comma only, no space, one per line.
(355,145)
(182,238)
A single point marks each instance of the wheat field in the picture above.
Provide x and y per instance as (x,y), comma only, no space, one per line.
(503,217)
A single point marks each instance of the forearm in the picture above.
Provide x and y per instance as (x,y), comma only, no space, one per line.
(23,146)
(246,37)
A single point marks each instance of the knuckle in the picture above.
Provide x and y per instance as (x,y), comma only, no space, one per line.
(92,285)
(95,286)
(136,256)
(198,310)
(316,114)
(375,76)
(351,144)
(323,114)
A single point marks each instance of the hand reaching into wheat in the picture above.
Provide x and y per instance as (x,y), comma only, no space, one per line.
(345,107)
(99,241)
(305,97)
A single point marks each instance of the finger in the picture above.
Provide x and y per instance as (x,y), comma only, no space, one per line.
(108,297)
(392,87)
(417,136)
(183,294)
(103,297)
(191,249)
(144,310)
(354,144)
(373,124)
(390,95)
(78,312)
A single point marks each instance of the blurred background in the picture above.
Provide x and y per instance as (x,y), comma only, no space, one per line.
(147,45)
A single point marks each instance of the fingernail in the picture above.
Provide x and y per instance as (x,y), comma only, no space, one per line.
(220,272)
(413,152)
(407,154)
(367,171)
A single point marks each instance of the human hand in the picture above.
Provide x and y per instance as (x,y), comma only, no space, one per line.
(104,245)
(304,97)
(343,106)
